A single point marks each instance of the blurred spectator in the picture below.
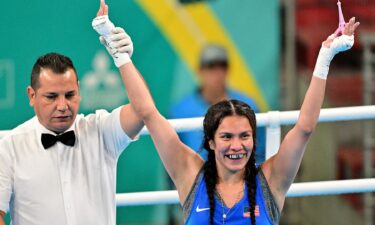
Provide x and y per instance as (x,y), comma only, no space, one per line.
(213,73)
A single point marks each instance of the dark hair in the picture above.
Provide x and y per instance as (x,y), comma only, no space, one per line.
(58,63)
(214,116)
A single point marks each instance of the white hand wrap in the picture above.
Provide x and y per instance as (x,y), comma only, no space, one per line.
(326,54)
(116,41)
(103,26)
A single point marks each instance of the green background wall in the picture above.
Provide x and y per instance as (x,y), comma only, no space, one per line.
(32,28)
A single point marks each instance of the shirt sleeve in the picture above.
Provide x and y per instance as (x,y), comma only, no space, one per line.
(115,138)
(6,177)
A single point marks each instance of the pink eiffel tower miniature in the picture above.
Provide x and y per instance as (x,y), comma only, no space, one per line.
(341,27)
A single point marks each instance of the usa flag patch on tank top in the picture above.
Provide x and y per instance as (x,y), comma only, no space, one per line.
(246,211)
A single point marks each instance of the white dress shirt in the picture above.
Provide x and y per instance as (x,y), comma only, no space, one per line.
(62,185)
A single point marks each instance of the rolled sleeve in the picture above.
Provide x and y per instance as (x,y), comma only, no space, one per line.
(115,138)
(6,177)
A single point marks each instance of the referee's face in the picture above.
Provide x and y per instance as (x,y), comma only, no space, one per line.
(56,100)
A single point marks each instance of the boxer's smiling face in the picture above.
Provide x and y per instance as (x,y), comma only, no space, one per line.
(233,144)
(56,99)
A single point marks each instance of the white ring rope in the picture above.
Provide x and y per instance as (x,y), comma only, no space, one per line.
(296,190)
(267,120)
(286,118)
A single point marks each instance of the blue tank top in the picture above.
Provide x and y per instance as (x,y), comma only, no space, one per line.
(239,214)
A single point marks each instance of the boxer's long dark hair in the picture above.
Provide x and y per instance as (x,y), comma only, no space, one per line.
(212,120)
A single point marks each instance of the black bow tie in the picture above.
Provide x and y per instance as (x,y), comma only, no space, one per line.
(67,138)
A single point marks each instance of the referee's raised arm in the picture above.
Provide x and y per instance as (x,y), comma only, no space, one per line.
(120,47)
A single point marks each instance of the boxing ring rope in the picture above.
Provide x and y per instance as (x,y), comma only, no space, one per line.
(296,190)
(275,118)
(273,121)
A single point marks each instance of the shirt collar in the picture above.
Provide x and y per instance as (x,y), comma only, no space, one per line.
(40,129)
